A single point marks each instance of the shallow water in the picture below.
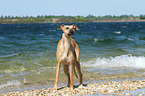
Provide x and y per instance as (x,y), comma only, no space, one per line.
(28,50)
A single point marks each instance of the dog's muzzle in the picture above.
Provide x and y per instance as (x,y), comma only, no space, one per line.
(71,33)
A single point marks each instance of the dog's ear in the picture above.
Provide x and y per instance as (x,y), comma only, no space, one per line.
(60,27)
(75,27)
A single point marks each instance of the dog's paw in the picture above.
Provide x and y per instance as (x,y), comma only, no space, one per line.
(55,88)
(68,85)
(81,86)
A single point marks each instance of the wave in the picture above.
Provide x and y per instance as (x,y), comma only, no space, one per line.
(130,39)
(11,83)
(117,32)
(123,61)
(105,40)
(52,30)
(125,40)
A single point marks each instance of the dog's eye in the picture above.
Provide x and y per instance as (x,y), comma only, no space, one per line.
(67,27)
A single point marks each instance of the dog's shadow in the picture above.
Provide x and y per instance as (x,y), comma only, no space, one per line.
(75,86)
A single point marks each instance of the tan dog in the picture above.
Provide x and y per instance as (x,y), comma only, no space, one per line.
(68,53)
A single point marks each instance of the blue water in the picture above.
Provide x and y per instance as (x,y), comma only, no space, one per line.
(25,48)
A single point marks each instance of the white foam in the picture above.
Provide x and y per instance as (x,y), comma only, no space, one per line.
(98,40)
(132,39)
(118,61)
(52,30)
(11,83)
(118,32)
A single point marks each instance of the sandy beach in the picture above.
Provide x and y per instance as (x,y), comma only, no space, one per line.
(121,88)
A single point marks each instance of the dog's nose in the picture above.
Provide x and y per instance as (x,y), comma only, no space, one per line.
(72,31)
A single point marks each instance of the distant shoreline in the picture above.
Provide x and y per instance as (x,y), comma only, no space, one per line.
(120,21)
(99,21)
(70,19)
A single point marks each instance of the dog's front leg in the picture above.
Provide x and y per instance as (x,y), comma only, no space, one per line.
(71,76)
(57,74)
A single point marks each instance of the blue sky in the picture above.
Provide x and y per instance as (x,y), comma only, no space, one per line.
(71,7)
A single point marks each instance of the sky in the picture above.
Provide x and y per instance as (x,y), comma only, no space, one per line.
(71,7)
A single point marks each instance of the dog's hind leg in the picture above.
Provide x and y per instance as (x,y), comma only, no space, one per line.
(66,71)
(71,76)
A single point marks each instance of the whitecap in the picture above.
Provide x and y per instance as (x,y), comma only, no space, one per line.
(11,83)
(131,39)
(118,32)
(51,30)
(96,39)
(123,61)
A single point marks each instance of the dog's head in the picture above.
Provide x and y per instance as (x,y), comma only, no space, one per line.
(68,30)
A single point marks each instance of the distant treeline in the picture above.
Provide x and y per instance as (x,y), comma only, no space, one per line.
(67,19)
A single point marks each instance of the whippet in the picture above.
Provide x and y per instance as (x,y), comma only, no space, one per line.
(68,53)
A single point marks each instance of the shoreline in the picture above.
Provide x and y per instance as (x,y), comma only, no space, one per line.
(47,81)
(120,21)
(99,21)
(125,87)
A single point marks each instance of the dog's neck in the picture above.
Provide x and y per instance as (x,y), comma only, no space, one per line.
(66,41)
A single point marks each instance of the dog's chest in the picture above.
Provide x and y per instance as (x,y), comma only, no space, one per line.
(66,52)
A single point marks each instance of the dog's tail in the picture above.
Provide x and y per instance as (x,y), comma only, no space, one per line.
(75,72)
